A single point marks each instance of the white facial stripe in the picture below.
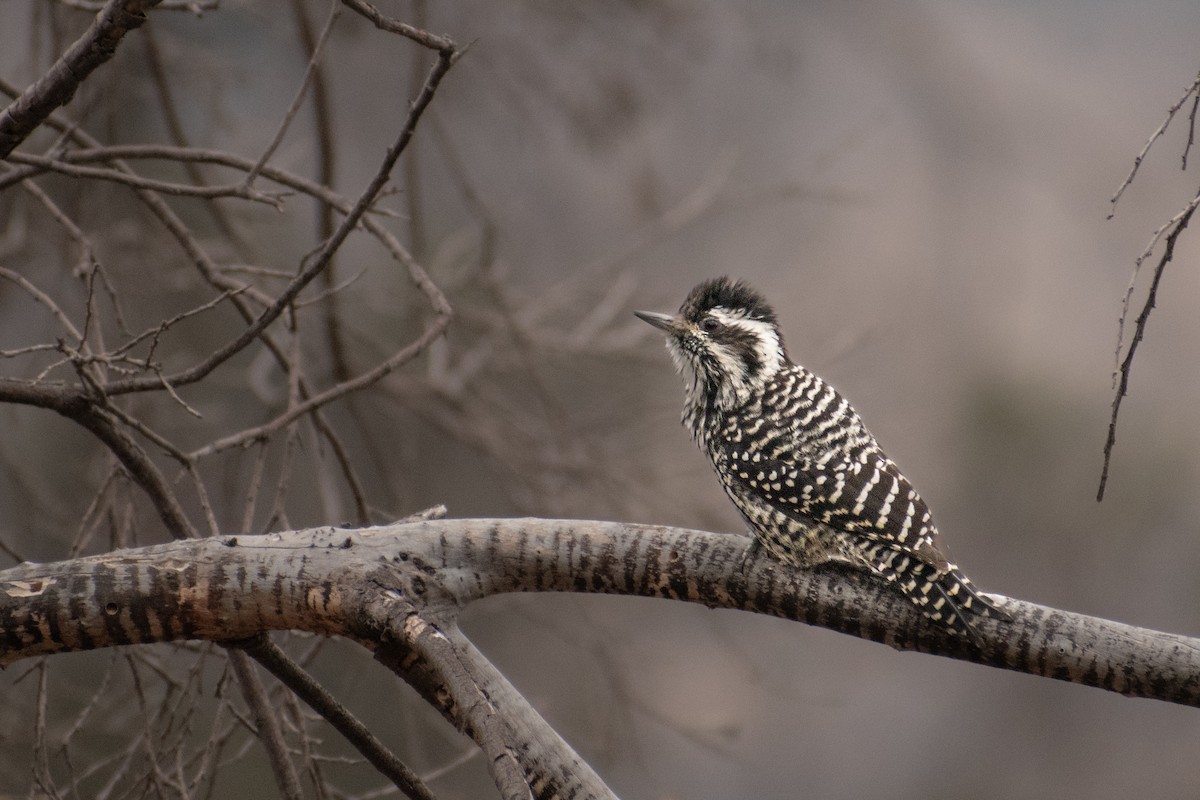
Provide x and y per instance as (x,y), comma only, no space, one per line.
(770,350)
(724,368)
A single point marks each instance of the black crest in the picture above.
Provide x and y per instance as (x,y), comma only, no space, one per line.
(729,294)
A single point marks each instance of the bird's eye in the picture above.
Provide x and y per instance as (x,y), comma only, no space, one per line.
(709,324)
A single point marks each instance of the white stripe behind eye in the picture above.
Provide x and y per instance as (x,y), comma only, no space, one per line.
(770,351)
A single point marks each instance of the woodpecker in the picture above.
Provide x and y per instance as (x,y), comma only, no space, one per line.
(807,476)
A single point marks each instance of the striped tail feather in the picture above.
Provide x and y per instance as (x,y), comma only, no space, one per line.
(945,596)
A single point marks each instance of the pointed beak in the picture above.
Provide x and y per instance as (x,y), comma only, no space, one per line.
(662,321)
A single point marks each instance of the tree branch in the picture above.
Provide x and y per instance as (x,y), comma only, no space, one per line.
(269,732)
(237,587)
(464,698)
(1121,376)
(321,260)
(267,653)
(1158,132)
(58,85)
(398,590)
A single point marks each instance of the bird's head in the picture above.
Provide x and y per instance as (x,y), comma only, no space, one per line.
(724,340)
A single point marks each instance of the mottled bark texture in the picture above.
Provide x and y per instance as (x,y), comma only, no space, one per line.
(335,581)
(398,589)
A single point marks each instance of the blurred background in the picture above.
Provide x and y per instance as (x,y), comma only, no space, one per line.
(921,189)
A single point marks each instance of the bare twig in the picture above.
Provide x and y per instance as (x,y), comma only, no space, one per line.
(279,512)
(267,653)
(1137,162)
(327,294)
(1179,222)
(135,460)
(1191,131)
(320,261)
(314,61)
(155,333)
(326,160)
(93,514)
(362,515)
(44,299)
(1127,299)
(241,191)
(402,356)
(24,351)
(175,128)
(56,87)
(41,759)
(1171,229)
(202,496)
(413,194)
(442,44)
(87,252)
(267,725)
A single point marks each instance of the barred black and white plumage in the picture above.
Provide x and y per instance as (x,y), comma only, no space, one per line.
(797,461)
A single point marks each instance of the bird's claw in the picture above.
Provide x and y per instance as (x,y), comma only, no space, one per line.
(749,555)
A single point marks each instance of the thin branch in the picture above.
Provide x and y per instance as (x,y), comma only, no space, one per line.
(1180,222)
(1137,162)
(43,298)
(202,496)
(268,726)
(326,297)
(145,430)
(136,462)
(320,261)
(413,193)
(240,191)
(1127,299)
(291,438)
(56,87)
(1191,131)
(93,514)
(41,760)
(326,161)
(310,71)
(401,357)
(33,348)
(442,44)
(250,503)
(268,654)
(346,465)
(158,330)
(87,252)
(175,128)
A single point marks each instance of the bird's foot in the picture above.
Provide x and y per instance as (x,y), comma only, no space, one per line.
(750,555)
